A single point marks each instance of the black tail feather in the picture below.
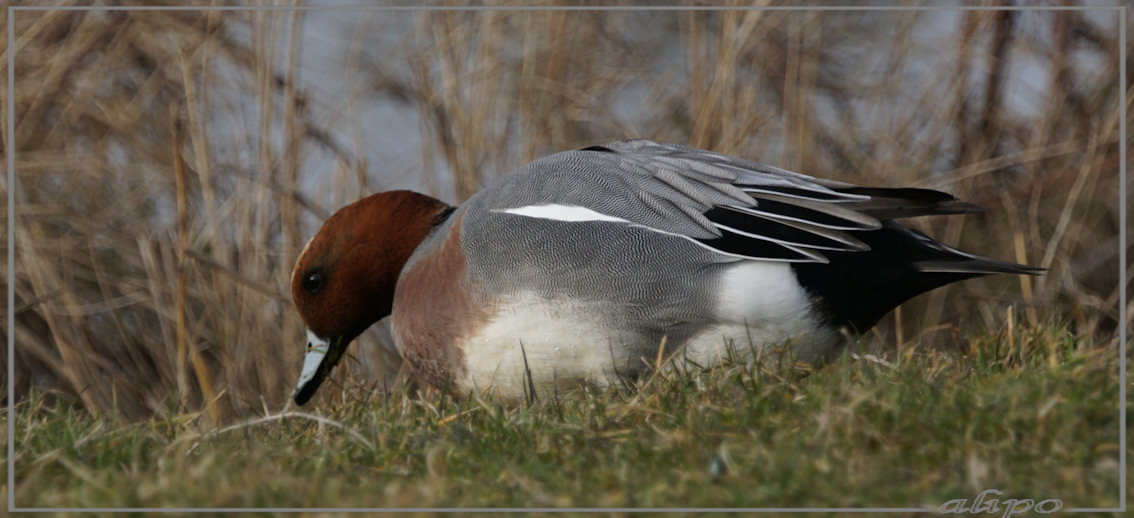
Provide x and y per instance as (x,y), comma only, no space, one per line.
(906,202)
(978,266)
(857,288)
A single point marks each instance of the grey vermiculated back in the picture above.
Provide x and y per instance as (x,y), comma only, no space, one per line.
(670,189)
(687,214)
(665,187)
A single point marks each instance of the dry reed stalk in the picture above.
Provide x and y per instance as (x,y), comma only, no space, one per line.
(794,93)
(1025,281)
(109,281)
(288,215)
(182,244)
(186,348)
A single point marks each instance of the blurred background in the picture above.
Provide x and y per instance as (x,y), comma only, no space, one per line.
(171,165)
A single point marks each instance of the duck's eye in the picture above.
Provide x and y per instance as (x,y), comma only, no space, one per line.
(313,281)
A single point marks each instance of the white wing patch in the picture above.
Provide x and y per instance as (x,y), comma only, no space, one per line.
(577,214)
(554,211)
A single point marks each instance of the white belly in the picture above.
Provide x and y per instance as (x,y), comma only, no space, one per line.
(759,304)
(563,344)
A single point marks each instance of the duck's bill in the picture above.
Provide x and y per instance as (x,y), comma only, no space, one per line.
(322,355)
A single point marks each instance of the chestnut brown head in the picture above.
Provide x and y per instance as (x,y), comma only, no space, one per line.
(345,277)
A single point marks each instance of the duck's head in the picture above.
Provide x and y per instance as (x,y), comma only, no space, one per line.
(345,277)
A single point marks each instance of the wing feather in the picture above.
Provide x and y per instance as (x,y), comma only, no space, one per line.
(734,207)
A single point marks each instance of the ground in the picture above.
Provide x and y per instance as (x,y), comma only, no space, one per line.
(1032,413)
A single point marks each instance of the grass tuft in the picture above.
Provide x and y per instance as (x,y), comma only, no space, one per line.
(1037,420)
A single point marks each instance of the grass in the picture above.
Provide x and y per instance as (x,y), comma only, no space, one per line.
(1031,412)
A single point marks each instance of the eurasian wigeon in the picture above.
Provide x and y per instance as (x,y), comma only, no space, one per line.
(573,268)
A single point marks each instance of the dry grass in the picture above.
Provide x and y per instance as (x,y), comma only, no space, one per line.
(1029,411)
(171,165)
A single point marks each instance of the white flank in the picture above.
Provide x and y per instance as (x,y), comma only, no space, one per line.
(761,290)
(554,211)
(759,303)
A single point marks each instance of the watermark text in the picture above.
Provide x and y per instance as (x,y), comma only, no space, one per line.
(983,504)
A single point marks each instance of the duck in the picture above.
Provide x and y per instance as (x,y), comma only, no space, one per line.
(578,268)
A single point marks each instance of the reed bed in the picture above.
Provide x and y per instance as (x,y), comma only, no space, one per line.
(171,165)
